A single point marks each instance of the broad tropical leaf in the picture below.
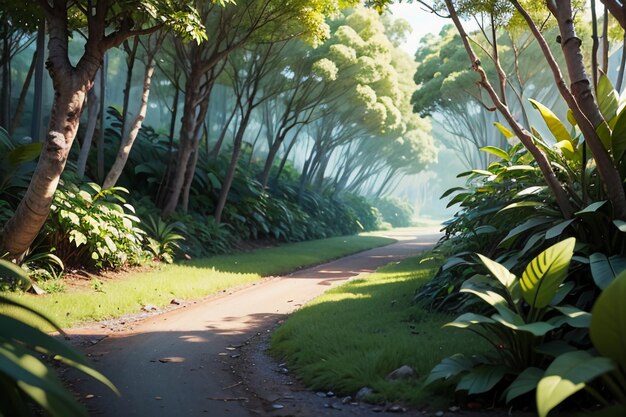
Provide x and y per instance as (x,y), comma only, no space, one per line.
(545,273)
(525,382)
(450,367)
(608,98)
(554,124)
(608,321)
(481,379)
(502,274)
(567,375)
(506,132)
(604,269)
(618,136)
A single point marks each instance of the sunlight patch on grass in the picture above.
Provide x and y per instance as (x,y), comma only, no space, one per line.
(356,334)
(191,280)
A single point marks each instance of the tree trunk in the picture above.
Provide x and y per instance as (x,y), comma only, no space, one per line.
(93,112)
(594,45)
(100,150)
(608,173)
(36,122)
(523,135)
(131,52)
(620,74)
(19,109)
(128,140)
(5,90)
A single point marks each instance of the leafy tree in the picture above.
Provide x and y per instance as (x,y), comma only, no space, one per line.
(107,23)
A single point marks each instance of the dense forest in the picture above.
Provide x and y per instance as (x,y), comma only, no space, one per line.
(138,131)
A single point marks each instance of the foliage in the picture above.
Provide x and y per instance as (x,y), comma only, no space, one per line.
(377,333)
(577,370)
(94,227)
(162,238)
(203,235)
(528,312)
(27,378)
(395,211)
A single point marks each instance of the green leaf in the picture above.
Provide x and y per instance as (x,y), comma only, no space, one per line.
(608,98)
(604,133)
(554,124)
(591,208)
(502,274)
(618,136)
(608,321)
(570,117)
(556,231)
(573,316)
(567,375)
(450,367)
(482,172)
(24,153)
(481,379)
(604,269)
(469,319)
(494,150)
(506,132)
(530,224)
(545,273)
(525,382)
(538,328)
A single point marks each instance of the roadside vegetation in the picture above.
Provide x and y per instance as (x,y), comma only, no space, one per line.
(355,335)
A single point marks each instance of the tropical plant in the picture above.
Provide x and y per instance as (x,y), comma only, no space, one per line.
(602,377)
(528,311)
(162,237)
(27,378)
(94,227)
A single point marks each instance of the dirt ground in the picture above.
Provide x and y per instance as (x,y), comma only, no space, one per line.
(207,357)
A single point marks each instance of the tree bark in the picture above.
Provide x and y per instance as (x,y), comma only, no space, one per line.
(21,102)
(594,45)
(607,170)
(131,52)
(36,122)
(128,140)
(93,112)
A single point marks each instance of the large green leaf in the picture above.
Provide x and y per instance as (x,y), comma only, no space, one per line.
(515,322)
(604,269)
(494,150)
(608,98)
(573,316)
(545,273)
(608,321)
(24,153)
(618,136)
(567,375)
(525,382)
(481,379)
(554,124)
(502,274)
(450,367)
(466,320)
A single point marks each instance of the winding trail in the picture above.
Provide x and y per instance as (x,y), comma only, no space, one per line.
(176,364)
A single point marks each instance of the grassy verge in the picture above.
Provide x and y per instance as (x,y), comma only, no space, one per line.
(191,280)
(354,335)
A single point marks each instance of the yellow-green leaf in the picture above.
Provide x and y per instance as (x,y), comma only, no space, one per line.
(545,273)
(554,124)
(506,132)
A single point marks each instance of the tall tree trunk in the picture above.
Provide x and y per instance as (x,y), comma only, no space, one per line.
(128,140)
(70,86)
(524,136)
(100,150)
(594,45)
(93,113)
(37,122)
(584,115)
(21,102)
(227,182)
(605,41)
(193,160)
(5,90)
(620,74)
(131,54)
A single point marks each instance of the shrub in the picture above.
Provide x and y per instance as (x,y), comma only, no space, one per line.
(395,211)
(94,227)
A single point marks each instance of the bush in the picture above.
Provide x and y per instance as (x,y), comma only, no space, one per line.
(395,211)
(89,226)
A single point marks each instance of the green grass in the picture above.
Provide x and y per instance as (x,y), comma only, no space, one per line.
(191,280)
(356,334)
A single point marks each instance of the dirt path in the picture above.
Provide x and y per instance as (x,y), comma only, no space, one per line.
(180,363)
